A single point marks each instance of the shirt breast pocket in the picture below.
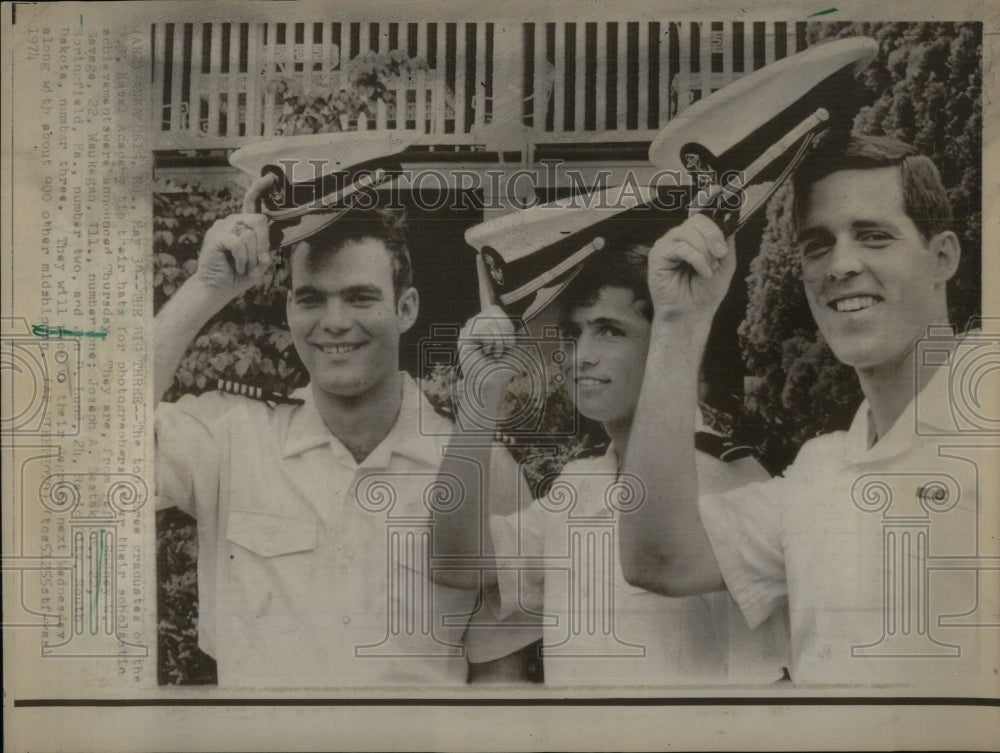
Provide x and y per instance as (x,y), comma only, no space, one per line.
(272,562)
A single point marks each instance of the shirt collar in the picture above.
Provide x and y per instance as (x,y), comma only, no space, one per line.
(929,413)
(935,412)
(306,429)
(417,433)
(610,457)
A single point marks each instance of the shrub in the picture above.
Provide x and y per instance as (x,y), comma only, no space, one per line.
(181,662)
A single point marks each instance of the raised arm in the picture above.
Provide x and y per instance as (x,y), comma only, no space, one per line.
(664,547)
(464,531)
(234,254)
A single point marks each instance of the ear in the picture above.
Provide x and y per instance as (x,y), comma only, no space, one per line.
(947,254)
(407,309)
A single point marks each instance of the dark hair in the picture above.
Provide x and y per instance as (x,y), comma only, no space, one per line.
(924,198)
(616,266)
(386,225)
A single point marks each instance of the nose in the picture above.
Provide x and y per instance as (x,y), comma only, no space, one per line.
(843,261)
(586,352)
(336,316)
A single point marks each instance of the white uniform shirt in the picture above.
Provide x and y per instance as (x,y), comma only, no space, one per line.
(559,558)
(312,567)
(841,537)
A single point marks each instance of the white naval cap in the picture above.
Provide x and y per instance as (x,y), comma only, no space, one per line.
(758,128)
(305,183)
(532,254)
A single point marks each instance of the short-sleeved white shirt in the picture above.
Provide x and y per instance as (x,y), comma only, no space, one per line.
(840,539)
(558,558)
(313,567)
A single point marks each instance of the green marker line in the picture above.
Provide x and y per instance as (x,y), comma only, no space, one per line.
(42,330)
(822,12)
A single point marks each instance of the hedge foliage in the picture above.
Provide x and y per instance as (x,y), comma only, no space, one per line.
(180,661)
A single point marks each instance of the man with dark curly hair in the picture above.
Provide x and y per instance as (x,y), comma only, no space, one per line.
(557,556)
(299,581)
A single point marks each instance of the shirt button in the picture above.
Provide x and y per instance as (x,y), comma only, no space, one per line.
(347,620)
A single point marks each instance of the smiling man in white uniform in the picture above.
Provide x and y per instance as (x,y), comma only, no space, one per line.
(557,557)
(313,513)
(845,538)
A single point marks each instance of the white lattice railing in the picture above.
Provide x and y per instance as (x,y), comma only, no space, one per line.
(495,85)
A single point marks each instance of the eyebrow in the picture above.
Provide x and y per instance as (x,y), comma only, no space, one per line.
(867,224)
(603,320)
(307,290)
(819,231)
(349,290)
(811,232)
(355,289)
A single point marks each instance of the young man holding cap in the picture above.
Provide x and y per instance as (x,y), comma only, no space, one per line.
(557,557)
(876,254)
(298,501)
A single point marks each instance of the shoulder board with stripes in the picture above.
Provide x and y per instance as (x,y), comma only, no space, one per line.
(721,447)
(255,393)
(594,451)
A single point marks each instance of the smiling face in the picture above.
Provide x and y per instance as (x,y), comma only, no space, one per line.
(345,318)
(873,282)
(612,339)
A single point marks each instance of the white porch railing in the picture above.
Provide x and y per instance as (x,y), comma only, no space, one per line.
(494,85)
